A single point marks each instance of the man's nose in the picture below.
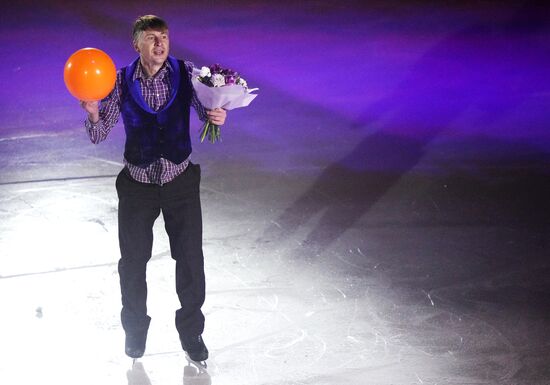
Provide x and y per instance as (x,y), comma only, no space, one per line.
(157,41)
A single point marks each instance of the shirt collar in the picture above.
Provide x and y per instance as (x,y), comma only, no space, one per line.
(139,73)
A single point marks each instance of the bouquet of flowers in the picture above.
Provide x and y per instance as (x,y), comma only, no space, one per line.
(218,87)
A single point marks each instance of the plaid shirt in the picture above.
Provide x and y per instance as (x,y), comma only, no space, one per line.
(156,92)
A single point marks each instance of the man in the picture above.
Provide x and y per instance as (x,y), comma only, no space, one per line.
(154,94)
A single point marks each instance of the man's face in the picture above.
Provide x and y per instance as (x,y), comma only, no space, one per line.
(153,46)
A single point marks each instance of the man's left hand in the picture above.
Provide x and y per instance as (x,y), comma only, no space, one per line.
(217,116)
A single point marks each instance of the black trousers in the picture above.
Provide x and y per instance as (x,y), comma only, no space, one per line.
(139,206)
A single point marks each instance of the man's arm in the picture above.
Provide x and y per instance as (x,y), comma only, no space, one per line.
(102,116)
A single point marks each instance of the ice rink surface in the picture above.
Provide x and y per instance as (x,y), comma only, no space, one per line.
(378,215)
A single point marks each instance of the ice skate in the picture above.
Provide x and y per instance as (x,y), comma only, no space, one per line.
(195,351)
(200,365)
(135,344)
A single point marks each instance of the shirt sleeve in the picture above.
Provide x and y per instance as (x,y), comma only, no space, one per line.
(195,102)
(109,113)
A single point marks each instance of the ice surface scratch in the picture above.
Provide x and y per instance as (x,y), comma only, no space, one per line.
(429,297)
(288,345)
(237,278)
(104,160)
(352,321)
(340,291)
(27,137)
(276,224)
(379,337)
(350,263)
(248,288)
(234,197)
(353,339)
(272,305)
(323,349)
(90,196)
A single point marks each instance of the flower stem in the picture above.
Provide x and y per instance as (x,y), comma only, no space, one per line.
(205,128)
(212,131)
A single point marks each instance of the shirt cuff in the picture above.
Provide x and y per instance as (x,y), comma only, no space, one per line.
(94,130)
(89,125)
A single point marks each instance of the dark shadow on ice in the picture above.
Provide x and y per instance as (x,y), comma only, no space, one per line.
(461,78)
(193,376)
(347,189)
(137,375)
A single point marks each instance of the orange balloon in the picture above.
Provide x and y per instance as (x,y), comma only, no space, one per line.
(89,74)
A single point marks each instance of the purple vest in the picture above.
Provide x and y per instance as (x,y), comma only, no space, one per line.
(153,135)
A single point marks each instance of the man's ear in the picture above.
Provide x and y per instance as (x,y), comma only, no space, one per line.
(136,46)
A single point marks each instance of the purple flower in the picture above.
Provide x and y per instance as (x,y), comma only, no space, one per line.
(225,76)
(230,72)
(216,69)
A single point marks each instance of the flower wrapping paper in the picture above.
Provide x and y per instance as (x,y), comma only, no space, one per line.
(227,97)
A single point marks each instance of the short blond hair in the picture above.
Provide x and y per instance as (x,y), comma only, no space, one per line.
(143,23)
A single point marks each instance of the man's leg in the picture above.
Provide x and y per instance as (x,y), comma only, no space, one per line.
(138,208)
(181,209)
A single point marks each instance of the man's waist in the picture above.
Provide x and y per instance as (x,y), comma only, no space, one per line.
(159,172)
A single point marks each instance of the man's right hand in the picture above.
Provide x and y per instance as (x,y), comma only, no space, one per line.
(92,108)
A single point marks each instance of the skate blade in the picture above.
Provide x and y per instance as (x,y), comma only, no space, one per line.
(201,365)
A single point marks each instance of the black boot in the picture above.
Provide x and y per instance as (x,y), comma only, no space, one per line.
(135,343)
(195,348)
